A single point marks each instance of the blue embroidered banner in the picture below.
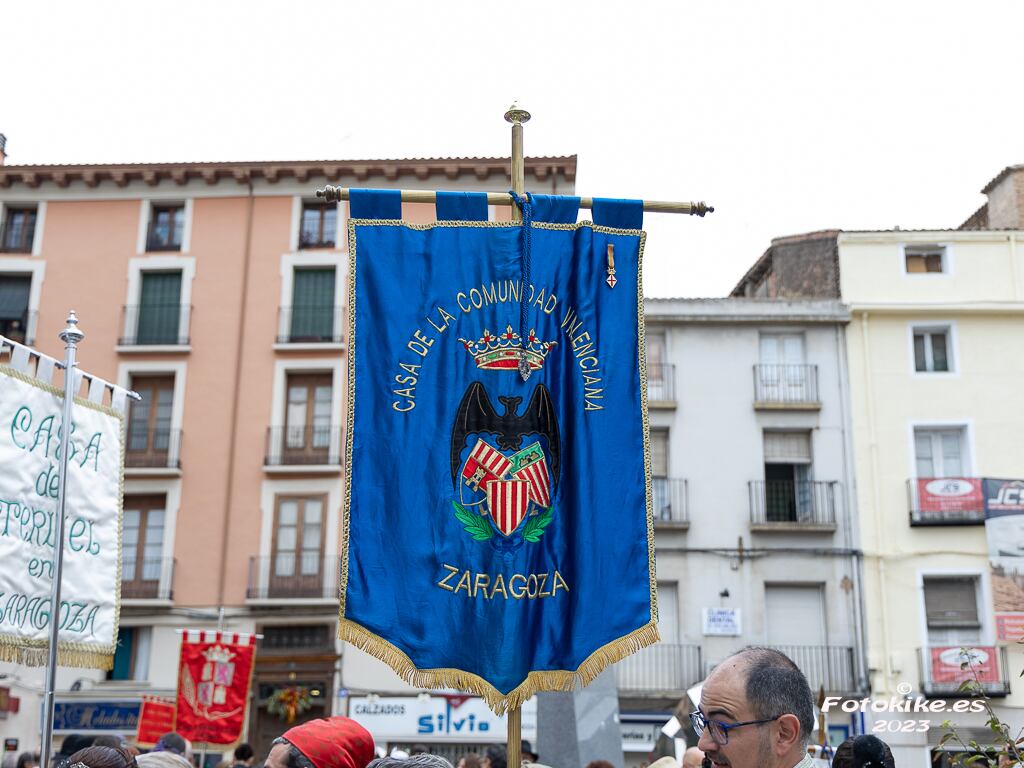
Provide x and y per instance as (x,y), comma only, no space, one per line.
(497,535)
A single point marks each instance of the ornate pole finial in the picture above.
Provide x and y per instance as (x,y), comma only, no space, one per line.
(516,115)
(72,334)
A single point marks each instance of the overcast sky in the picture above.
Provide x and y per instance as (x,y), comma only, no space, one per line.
(786,116)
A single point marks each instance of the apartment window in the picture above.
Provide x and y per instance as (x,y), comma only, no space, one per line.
(312,311)
(787,473)
(149,422)
(932,350)
(298,545)
(940,452)
(659,452)
(159,310)
(668,612)
(308,418)
(319,225)
(921,259)
(14,301)
(166,225)
(131,656)
(19,229)
(142,545)
(951,609)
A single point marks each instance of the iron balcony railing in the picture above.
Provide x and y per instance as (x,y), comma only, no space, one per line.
(946,501)
(667,667)
(661,382)
(943,672)
(157,449)
(671,500)
(830,666)
(165,324)
(786,384)
(296,325)
(147,579)
(305,445)
(293,575)
(20,329)
(793,501)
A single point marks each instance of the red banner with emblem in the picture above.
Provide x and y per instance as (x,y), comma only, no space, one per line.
(156,717)
(214,672)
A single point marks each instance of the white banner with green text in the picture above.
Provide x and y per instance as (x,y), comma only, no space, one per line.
(31,416)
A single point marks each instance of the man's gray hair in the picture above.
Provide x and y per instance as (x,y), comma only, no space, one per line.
(776,686)
(421,760)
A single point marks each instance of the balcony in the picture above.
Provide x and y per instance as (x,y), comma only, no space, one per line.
(942,676)
(661,668)
(303,446)
(291,576)
(20,329)
(671,502)
(830,666)
(149,579)
(156,325)
(793,505)
(309,325)
(786,387)
(946,501)
(661,385)
(161,450)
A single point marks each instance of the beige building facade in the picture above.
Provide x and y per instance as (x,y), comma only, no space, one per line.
(217,291)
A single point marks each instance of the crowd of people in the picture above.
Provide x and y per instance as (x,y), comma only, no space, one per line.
(756,711)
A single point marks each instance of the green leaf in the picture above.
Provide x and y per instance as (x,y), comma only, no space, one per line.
(535,526)
(475,525)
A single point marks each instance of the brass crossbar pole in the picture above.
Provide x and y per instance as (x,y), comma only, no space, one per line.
(333,194)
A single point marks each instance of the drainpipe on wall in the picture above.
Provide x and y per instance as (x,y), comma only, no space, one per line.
(226,528)
(852,539)
(869,397)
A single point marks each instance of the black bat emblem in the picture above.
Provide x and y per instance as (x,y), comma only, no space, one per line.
(476,414)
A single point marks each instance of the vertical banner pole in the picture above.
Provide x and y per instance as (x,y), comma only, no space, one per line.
(517,117)
(514,755)
(71,336)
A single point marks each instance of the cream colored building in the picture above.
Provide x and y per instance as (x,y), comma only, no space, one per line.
(934,343)
(935,379)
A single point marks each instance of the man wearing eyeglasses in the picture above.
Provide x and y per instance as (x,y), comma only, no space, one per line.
(756,711)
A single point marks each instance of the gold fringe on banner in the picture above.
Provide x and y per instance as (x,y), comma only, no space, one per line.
(460,680)
(80,657)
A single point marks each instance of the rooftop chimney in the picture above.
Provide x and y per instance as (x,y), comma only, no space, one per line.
(3,147)
(1006,199)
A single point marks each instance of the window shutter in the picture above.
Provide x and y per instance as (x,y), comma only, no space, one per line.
(159,308)
(14,290)
(659,452)
(951,602)
(313,304)
(787,447)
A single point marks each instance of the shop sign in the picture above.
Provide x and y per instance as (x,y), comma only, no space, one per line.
(722,621)
(435,718)
(96,715)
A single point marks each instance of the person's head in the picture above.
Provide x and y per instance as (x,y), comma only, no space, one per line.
(599,764)
(109,740)
(469,760)
(863,752)
(416,760)
(172,742)
(244,754)
(758,711)
(101,757)
(28,760)
(494,757)
(74,742)
(526,750)
(693,757)
(327,742)
(418,749)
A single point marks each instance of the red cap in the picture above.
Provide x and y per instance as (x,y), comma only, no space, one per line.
(333,742)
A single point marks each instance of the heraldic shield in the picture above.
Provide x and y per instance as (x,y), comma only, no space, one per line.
(497,534)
